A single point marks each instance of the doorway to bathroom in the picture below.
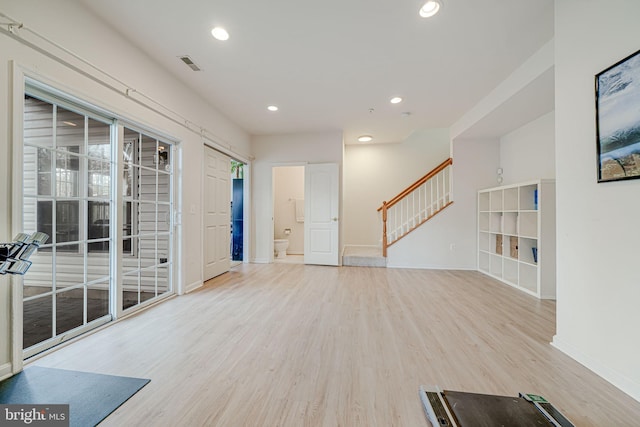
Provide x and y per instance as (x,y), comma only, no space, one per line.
(288,214)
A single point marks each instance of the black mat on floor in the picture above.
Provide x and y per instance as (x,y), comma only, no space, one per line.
(91,397)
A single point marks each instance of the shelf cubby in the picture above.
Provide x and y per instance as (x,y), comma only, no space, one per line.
(526,246)
(510,199)
(496,265)
(514,221)
(528,197)
(483,202)
(495,220)
(510,223)
(483,261)
(510,270)
(528,277)
(483,221)
(528,224)
(484,242)
(496,201)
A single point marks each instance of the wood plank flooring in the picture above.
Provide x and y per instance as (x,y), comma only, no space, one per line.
(295,345)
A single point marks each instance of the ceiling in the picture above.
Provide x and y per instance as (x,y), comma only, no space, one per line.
(333,65)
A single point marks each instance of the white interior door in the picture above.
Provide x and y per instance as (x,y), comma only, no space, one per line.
(321,192)
(217,215)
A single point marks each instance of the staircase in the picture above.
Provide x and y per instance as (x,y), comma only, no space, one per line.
(407,211)
(363,256)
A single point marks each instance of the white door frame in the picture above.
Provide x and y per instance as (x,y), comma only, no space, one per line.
(272,209)
(273,191)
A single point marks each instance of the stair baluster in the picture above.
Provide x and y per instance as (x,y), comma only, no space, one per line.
(416,204)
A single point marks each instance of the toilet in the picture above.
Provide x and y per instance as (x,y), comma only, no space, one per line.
(280,247)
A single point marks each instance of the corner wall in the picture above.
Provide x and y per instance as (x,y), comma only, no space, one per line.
(597,240)
(528,152)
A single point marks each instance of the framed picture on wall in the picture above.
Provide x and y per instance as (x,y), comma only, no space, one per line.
(618,120)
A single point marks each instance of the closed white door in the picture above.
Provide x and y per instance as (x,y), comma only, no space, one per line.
(321,237)
(217,215)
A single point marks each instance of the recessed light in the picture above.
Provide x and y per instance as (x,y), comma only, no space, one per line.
(365,138)
(272,108)
(220,33)
(396,100)
(430,8)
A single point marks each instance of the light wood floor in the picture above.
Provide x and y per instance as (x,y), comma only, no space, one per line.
(295,345)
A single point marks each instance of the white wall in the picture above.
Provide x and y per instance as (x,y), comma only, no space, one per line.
(288,182)
(282,150)
(525,95)
(374,173)
(6,366)
(70,25)
(528,152)
(448,240)
(597,224)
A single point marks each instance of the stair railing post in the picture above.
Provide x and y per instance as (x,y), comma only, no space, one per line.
(384,229)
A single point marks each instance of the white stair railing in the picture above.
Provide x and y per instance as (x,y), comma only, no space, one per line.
(416,204)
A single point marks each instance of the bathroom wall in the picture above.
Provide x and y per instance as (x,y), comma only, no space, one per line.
(288,182)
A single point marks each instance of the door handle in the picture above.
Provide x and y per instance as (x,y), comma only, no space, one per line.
(335,218)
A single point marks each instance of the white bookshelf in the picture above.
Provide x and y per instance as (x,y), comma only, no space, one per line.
(513,221)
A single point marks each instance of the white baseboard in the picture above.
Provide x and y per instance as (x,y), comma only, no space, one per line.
(260,261)
(622,382)
(193,286)
(5,371)
(429,267)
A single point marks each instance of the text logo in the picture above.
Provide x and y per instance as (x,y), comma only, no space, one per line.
(34,415)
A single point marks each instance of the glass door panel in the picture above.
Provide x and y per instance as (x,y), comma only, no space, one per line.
(147,235)
(66,194)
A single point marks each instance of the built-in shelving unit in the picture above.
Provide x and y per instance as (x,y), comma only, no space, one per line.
(516,236)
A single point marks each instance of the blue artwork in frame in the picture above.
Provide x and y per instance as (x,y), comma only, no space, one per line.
(618,120)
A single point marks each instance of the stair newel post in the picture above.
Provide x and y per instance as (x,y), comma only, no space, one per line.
(384,229)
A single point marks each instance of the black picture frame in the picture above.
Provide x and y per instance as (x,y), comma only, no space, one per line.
(617,91)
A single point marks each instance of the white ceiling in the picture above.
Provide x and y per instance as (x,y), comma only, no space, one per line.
(327,63)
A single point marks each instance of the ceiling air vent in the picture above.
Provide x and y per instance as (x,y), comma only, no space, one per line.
(190,63)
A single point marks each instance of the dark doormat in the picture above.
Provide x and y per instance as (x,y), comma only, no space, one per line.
(91,397)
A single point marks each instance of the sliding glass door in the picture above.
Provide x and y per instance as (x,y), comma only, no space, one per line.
(67,166)
(147,207)
(76,165)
